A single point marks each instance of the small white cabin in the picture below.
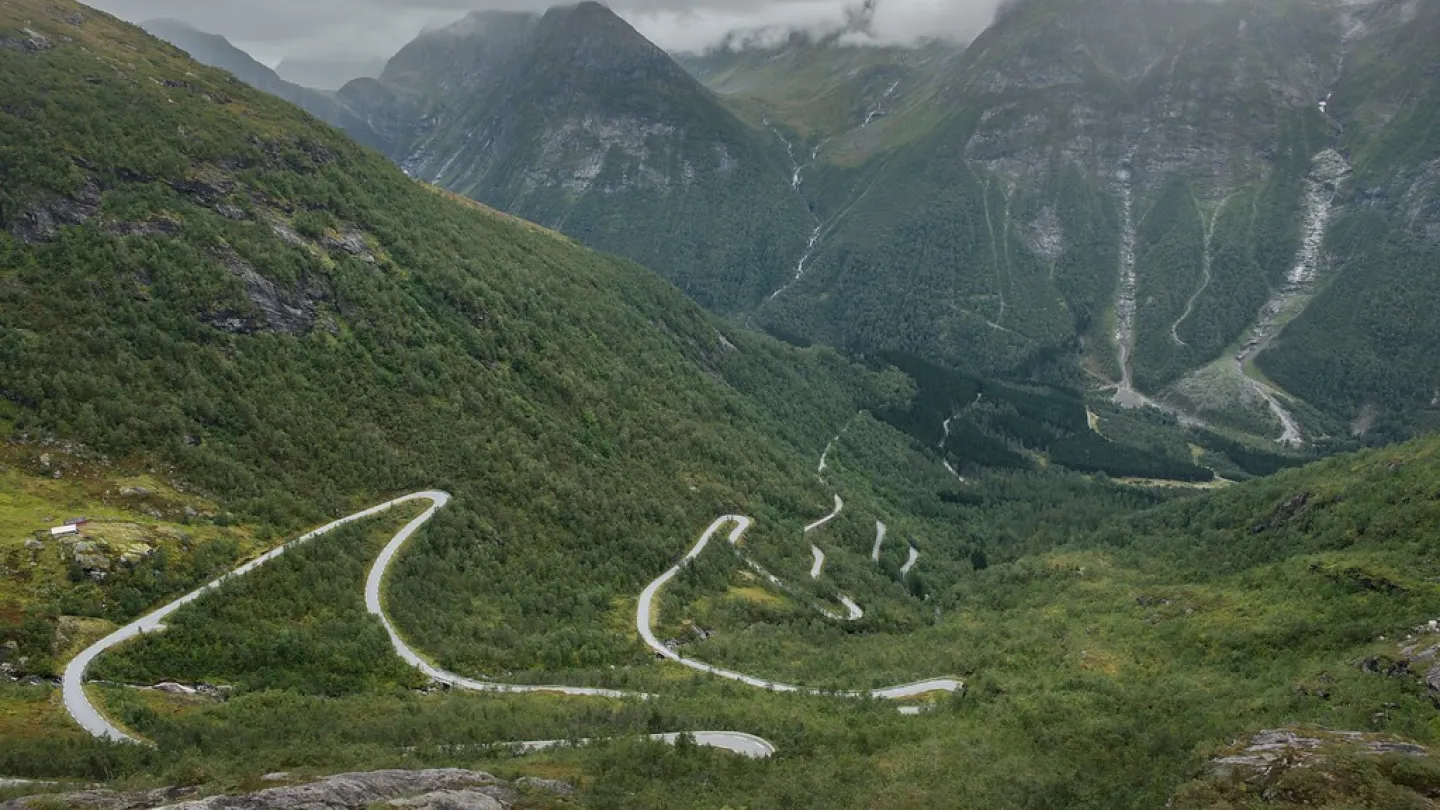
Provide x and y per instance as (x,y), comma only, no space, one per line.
(61,531)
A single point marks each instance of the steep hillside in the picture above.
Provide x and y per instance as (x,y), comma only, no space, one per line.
(199,279)
(222,322)
(1144,196)
(574,120)
(1360,349)
(1171,204)
(216,51)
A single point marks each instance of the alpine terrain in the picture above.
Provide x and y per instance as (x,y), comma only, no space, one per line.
(981,425)
(1148,201)
(1152,201)
(1219,209)
(573,120)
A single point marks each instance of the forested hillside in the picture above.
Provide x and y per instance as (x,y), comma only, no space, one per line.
(1167,204)
(1142,198)
(198,277)
(1360,348)
(222,322)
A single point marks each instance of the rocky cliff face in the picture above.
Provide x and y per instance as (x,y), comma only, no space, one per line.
(574,120)
(1175,204)
(1154,190)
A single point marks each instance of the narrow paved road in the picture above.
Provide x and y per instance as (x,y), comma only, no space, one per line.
(78,704)
(645,624)
(839,504)
(747,745)
(910,563)
(852,610)
(373,604)
(818,563)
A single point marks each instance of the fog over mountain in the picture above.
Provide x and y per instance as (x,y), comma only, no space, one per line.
(275,30)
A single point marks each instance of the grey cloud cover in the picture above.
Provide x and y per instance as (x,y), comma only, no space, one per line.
(272,30)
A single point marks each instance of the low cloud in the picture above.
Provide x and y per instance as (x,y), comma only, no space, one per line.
(272,30)
(886,22)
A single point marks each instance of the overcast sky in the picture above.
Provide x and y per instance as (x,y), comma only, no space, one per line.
(274,29)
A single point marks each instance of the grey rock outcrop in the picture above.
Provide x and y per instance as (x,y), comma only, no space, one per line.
(101,799)
(451,800)
(1289,747)
(29,41)
(44,220)
(352,242)
(285,311)
(436,789)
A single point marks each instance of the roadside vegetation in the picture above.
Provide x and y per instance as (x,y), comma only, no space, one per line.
(222,323)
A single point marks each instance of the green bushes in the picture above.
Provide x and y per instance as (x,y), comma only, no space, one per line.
(299,624)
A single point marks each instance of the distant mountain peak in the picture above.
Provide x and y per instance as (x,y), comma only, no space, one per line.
(480,22)
(594,46)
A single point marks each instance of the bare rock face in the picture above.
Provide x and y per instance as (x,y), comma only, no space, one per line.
(100,799)
(27,41)
(284,311)
(45,219)
(352,242)
(1046,237)
(468,799)
(1419,655)
(1289,748)
(437,789)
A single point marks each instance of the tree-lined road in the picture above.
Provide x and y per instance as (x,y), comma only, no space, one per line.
(78,704)
(645,624)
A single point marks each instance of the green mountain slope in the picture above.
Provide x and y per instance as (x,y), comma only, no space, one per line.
(574,120)
(216,51)
(199,276)
(1361,348)
(1169,204)
(202,283)
(1143,197)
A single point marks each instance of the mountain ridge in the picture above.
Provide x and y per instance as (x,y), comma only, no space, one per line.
(222,322)
(1106,159)
(563,117)
(1139,201)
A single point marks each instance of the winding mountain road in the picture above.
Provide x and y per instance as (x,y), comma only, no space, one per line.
(373,604)
(78,705)
(819,556)
(645,623)
(818,564)
(910,563)
(834,513)
(747,745)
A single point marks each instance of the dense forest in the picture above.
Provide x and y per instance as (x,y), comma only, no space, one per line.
(223,323)
(1146,631)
